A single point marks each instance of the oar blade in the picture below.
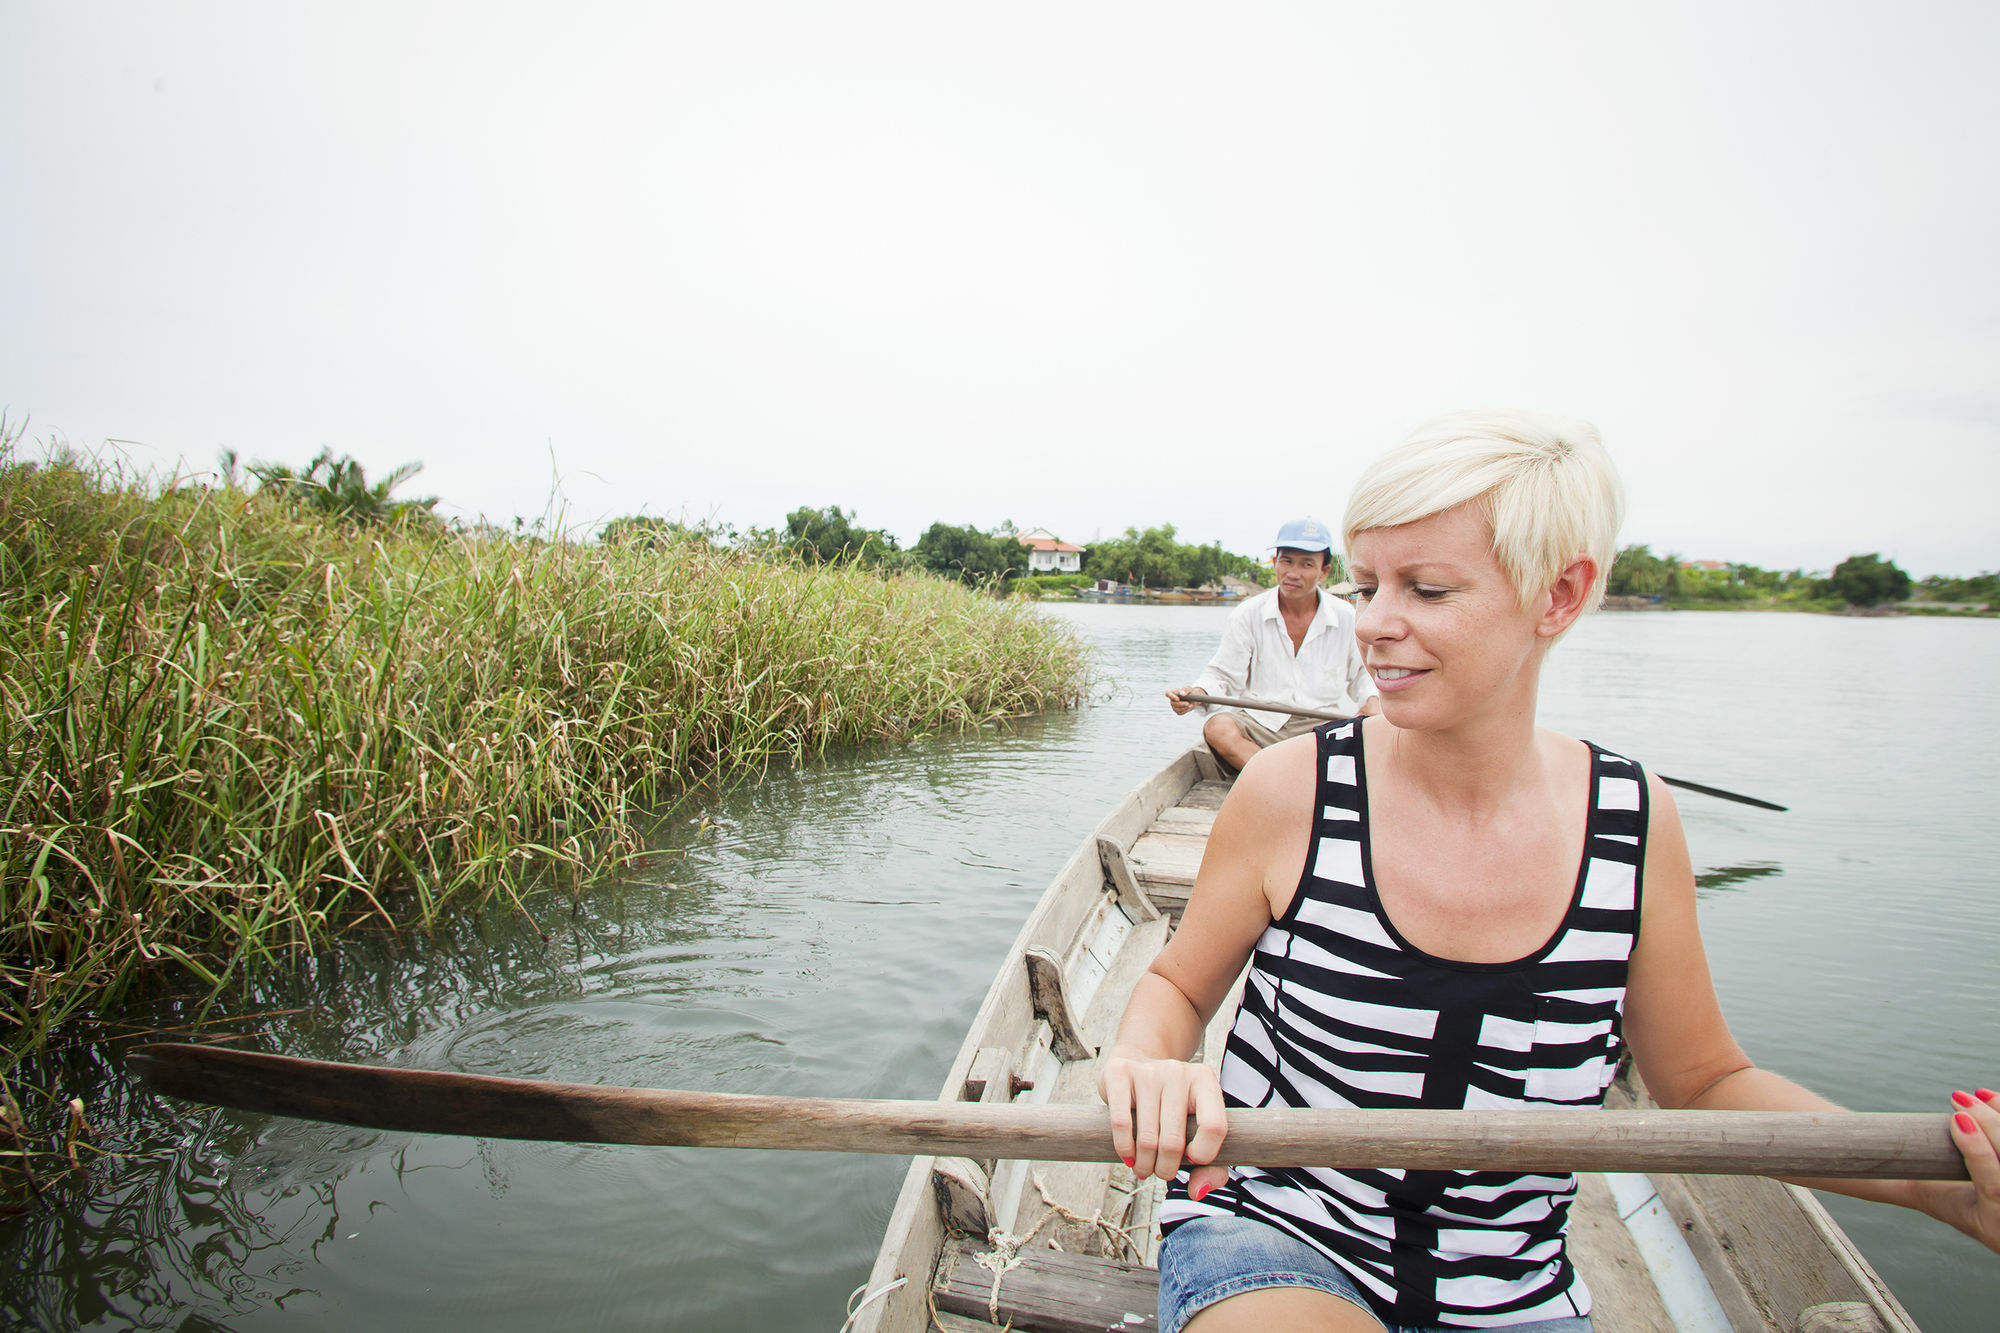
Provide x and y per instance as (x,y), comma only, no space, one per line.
(412,1101)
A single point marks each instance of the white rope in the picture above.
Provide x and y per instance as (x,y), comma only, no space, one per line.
(854,1311)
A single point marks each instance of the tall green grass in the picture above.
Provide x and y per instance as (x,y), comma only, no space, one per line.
(228,729)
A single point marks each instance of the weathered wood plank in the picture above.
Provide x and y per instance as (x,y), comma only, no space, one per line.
(1204,796)
(1764,1259)
(1184,819)
(990,1077)
(1888,1310)
(1052,1005)
(1163,859)
(1842,1317)
(1118,876)
(1171,899)
(1048,1291)
(963,1193)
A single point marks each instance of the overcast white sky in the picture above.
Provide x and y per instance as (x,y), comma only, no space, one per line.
(1081,266)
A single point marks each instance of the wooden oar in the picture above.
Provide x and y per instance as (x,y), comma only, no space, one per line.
(1197,697)
(1843,1143)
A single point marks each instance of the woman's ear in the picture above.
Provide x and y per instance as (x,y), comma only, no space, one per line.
(1567,597)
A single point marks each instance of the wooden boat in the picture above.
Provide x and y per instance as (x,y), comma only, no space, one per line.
(1191,596)
(1062,1246)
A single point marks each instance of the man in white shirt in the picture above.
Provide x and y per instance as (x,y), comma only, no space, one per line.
(1292,645)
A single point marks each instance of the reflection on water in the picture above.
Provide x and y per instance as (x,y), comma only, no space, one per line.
(830,930)
(1721,877)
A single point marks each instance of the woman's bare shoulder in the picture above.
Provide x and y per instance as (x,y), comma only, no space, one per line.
(1279,776)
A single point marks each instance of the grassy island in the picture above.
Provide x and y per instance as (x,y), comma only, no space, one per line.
(230,727)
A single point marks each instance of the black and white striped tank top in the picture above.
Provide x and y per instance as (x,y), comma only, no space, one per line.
(1340,1011)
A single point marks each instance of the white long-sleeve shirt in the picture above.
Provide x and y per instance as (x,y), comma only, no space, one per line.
(1256,660)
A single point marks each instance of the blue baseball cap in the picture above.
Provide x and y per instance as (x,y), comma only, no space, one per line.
(1304,534)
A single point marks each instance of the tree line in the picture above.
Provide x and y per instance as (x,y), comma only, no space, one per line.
(1860,580)
(338,489)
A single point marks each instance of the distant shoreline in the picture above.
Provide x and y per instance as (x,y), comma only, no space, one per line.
(1922,610)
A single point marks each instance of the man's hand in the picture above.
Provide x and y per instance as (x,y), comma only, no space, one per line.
(1177,700)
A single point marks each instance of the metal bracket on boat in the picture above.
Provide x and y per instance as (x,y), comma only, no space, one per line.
(1118,877)
(1051,1002)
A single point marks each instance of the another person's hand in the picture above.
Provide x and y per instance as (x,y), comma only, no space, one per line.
(1973,1206)
(1150,1103)
(1177,700)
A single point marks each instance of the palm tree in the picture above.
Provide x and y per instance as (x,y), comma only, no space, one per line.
(339,489)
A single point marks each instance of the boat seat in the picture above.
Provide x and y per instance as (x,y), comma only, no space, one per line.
(1044,1290)
(1165,856)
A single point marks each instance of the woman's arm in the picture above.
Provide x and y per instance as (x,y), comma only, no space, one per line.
(1689,1060)
(1258,840)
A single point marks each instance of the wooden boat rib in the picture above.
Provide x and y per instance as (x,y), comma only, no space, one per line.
(1063,1247)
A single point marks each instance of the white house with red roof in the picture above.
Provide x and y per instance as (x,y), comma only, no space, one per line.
(1049,554)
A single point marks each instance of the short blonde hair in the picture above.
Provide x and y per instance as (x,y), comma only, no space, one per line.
(1544,484)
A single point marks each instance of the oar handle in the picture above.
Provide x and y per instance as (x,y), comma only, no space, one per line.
(1842,1143)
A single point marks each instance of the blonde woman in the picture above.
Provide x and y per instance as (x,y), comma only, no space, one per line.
(1445,906)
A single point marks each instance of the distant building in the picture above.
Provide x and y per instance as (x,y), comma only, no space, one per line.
(1048,554)
(1712,566)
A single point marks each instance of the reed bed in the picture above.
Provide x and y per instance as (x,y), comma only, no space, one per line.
(228,730)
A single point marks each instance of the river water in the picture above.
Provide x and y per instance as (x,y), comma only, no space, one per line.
(830,929)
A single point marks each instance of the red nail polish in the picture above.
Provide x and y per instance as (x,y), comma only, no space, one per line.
(1964,1123)
(1961,1099)
(1128,1161)
(1987,1095)
(1196,1194)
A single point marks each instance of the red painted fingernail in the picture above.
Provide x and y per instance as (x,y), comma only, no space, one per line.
(1987,1095)
(1961,1099)
(1964,1123)
(1196,1195)
(1128,1161)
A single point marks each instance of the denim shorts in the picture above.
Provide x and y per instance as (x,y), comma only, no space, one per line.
(1208,1259)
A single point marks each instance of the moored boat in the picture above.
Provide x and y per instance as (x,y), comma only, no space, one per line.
(975,1245)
